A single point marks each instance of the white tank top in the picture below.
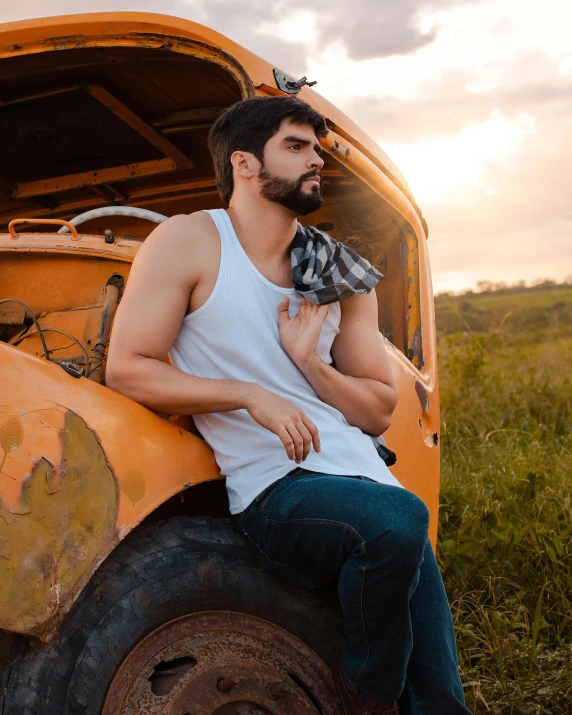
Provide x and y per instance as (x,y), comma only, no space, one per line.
(234,336)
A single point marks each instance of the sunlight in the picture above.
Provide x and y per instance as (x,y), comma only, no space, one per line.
(440,168)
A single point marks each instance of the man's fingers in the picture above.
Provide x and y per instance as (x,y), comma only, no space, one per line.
(283,316)
(288,442)
(307,437)
(313,430)
(298,441)
(313,308)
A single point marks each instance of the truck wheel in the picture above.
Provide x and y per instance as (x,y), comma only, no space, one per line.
(181,620)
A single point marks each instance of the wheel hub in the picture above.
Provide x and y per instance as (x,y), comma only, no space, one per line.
(221,663)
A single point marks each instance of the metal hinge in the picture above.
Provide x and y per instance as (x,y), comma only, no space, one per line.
(292,86)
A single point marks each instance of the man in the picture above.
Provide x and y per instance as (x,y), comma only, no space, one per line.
(251,360)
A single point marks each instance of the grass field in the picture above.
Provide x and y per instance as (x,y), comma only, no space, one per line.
(505,538)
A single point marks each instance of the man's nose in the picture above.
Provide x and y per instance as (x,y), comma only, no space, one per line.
(316,162)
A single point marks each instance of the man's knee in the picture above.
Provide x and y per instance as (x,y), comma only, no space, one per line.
(405,530)
(413,520)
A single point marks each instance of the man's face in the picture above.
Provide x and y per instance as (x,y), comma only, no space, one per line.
(290,174)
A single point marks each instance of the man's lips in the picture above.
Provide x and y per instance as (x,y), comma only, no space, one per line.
(315,179)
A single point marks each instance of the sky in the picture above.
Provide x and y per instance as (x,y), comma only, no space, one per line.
(471,100)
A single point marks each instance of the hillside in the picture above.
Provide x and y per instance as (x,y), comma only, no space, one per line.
(534,311)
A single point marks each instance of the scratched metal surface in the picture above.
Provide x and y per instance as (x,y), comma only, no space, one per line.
(80,466)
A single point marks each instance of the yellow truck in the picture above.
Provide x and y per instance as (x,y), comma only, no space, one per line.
(123,586)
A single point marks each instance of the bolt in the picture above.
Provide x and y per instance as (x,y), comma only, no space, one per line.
(109,237)
(277,690)
(225,685)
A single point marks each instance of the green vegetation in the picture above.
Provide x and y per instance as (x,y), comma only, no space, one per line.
(505,535)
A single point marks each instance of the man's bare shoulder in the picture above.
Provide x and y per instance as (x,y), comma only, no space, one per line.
(182,244)
(183,230)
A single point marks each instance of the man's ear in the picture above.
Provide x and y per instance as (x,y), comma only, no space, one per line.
(245,164)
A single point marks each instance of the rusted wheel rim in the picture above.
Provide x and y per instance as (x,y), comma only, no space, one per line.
(221,663)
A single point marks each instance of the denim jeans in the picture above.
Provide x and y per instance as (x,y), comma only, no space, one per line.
(310,528)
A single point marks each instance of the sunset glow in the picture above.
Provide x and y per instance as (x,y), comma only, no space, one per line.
(471,100)
(439,170)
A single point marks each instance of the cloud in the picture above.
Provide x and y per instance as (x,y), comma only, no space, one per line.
(446,108)
(431,80)
(366,28)
(371,28)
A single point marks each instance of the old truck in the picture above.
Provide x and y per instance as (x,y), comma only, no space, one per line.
(123,585)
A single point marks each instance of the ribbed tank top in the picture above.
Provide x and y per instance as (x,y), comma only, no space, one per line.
(234,336)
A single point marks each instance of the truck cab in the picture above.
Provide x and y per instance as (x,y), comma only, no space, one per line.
(124,585)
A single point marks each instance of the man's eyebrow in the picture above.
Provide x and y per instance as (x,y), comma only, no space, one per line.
(317,148)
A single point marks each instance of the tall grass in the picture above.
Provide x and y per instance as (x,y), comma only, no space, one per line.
(505,540)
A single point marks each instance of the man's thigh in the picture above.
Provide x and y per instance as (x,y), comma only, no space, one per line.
(304,529)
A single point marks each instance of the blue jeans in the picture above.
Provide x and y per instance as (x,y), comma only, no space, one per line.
(310,528)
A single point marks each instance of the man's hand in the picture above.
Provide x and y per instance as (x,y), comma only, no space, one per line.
(299,335)
(290,423)
(361,385)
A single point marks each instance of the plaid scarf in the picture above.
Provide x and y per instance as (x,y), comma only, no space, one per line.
(325,271)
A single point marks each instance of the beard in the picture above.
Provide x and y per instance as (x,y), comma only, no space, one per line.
(289,192)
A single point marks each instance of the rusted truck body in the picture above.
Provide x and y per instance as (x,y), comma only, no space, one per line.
(103,112)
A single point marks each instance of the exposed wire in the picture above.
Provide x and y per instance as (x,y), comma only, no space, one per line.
(65,347)
(71,337)
(97,366)
(33,315)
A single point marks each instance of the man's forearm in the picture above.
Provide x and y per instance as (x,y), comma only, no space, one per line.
(365,403)
(166,389)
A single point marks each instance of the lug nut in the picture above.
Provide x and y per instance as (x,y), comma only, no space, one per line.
(225,685)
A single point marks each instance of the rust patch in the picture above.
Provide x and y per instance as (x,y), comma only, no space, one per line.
(133,485)
(11,435)
(69,522)
(221,662)
(341,150)
(423,395)
(415,351)
(427,428)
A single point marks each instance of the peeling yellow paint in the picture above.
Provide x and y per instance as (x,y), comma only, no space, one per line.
(39,438)
(63,506)
(67,525)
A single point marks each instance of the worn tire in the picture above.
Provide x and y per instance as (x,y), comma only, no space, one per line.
(151,578)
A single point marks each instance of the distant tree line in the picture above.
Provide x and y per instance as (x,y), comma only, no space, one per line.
(488,287)
(535,310)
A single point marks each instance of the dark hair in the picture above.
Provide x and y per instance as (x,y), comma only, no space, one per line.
(247,126)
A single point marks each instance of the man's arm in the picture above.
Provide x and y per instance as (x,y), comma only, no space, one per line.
(361,386)
(164,273)
(148,320)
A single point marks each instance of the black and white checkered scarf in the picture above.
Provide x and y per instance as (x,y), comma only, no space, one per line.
(325,271)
